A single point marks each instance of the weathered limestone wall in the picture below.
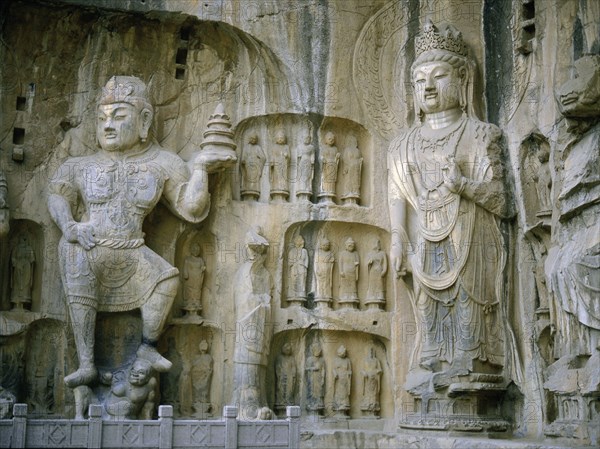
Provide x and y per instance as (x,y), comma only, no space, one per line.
(300,68)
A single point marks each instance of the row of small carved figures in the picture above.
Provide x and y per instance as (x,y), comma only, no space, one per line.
(253,160)
(341,379)
(348,274)
(348,260)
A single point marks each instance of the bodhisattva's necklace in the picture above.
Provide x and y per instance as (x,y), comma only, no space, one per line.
(432,150)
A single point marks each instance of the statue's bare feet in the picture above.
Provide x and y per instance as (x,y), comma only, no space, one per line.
(159,363)
(83,376)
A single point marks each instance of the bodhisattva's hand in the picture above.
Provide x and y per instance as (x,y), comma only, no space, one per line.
(212,162)
(82,233)
(453,178)
(397,256)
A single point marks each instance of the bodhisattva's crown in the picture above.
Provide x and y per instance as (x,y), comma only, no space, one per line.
(124,89)
(430,39)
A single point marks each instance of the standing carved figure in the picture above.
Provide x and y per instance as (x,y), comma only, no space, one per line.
(377,266)
(348,270)
(252,303)
(298,270)
(280,164)
(543,182)
(323,273)
(285,374)
(104,263)
(329,158)
(342,383)
(306,168)
(447,170)
(352,161)
(315,380)
(23,261)
(201,375)
(371,387)
(135,397)
(252,163)
(573,262)
(193,278)
(4,215)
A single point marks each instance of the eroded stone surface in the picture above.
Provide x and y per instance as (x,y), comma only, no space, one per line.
(491,327)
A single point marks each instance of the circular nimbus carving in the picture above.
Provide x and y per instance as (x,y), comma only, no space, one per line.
(380,61)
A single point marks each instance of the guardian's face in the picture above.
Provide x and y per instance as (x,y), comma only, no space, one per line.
(118,126)
(580,96)
(139,374)
(437,86)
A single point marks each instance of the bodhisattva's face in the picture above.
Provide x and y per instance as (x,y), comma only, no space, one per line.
(118,126)
(437,86)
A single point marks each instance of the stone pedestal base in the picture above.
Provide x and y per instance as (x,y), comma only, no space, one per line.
(323,303)
(279,196)
(296,301)
(473,405)
(375,304)
(348,303)
(250,195)
(326,198)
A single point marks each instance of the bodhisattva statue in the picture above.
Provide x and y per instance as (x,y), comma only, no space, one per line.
(573,262)
(252,303)
(323,273)
(193,279)
(298,270)
(342,383)
(447,170)
(329,159)
(352,161)
(377,266)
(306,168)
(252,163)
(348,270)
(104,263)
(280,164)
(21,281)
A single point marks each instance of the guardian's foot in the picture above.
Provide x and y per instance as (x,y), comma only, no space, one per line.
(149,353)
(83,376)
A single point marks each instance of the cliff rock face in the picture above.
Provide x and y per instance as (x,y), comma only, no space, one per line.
(384,212)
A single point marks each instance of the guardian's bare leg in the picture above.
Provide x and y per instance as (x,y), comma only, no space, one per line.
(154,316)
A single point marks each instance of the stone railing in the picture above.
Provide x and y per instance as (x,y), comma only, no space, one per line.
(167,433)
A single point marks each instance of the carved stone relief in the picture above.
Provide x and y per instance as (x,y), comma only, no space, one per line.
(252,163)
(302,165)
(280,164)
(572,265)
(253,290)
(371,376)
(165,272)
(286,374)
(458,197)
(298,272)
